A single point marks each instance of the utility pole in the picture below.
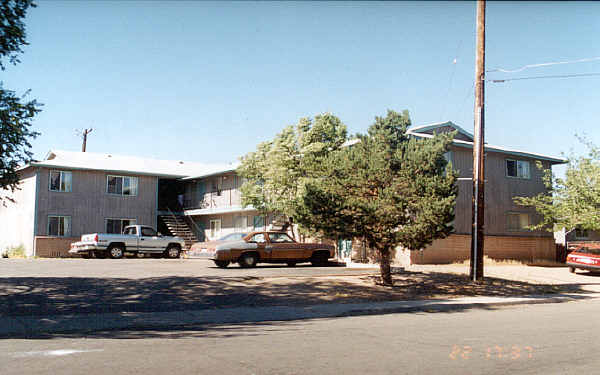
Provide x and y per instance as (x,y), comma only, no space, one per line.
(84,134)
(478,212)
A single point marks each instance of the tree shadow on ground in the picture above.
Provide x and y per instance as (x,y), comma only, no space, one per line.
(41,297)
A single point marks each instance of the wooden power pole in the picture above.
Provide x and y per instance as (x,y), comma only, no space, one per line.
(84,134)
(478,213)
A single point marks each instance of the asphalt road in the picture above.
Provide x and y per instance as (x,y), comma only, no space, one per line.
(144,268)
(528,339)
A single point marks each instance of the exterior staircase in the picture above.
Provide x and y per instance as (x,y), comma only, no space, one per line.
(179,227)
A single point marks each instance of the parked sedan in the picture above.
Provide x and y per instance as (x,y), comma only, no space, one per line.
(271,247)
(207,249)
(586,257)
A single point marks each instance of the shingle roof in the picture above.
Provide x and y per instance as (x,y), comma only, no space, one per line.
(126,164)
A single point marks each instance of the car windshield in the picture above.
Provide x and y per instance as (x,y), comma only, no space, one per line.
(587,250)
(233,237)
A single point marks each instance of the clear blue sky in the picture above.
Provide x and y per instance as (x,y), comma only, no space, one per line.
(206,82)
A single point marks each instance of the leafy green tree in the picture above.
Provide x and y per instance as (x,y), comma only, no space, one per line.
(16,114)
(571,202)
(274,174)
(389,189)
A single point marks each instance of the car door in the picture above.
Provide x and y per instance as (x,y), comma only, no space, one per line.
(283,247)
(131,238)
(263,248)
(149,241)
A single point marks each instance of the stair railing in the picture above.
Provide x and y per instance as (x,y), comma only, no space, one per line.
(196,227)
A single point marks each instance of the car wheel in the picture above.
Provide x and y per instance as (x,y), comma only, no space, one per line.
(319,259)
(572,269)
(172,252)
(248,260)
(116,252)
(291,264)
(222,263)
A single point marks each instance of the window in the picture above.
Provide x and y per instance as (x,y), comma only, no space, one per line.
(258,238)
(60,181)
(259,222)
(148,232)
(117,225)
(518,221)
(121,185)
(517,168)
(59,226)
(280,237)
(131,231)
(240,223)
(581,233)
(215,228)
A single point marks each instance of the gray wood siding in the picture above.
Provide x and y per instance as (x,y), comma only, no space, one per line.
(499,192)
(89,205)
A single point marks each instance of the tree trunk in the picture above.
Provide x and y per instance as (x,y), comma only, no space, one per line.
(292,229)
(385,268)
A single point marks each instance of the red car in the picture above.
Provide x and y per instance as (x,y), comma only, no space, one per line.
(585,256)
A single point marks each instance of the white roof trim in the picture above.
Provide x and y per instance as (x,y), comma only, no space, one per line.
(231,168)
(123,164)
(505,150)
(420,128)
(218,210)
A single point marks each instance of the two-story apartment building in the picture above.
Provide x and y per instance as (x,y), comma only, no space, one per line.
(72,193)
(214,202)
(509,173)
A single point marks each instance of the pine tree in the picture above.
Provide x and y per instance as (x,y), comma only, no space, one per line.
(388,189)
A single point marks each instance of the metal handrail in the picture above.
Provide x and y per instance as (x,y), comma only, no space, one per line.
(196,227)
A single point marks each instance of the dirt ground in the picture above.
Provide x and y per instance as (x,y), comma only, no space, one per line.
(27,296)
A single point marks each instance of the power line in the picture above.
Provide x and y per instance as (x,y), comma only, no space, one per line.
(587,59)
(543,77)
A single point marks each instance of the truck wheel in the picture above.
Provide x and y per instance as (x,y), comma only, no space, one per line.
(572,269)
(222,263)
(116,252)
(172,252)
(248,260)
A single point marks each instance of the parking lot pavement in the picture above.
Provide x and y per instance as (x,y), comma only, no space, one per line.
(145,268)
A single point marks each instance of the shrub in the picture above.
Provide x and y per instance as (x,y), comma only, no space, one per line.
(15,252)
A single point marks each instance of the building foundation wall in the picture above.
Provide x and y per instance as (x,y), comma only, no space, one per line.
(457,248)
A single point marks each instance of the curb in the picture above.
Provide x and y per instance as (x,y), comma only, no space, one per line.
(87,324)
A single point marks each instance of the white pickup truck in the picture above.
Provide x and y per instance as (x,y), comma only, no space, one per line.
(138,239)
